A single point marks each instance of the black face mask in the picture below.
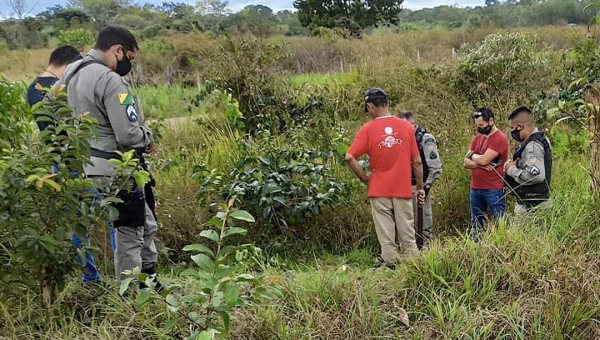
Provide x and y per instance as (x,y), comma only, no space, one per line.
(485,130)
(516,135)
(123,66)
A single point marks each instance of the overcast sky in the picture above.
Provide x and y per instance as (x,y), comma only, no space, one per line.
(37,6)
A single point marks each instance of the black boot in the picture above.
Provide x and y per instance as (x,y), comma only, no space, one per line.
(158,287)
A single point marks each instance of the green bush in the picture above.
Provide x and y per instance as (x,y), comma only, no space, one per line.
(502,63)
(79,38)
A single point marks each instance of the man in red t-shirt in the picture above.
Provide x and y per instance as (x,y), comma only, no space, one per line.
(486,157)
(393,155)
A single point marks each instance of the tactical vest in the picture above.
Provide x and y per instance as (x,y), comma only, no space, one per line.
(532,195)
(419,134)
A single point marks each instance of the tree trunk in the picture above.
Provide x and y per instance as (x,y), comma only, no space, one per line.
(140,75)
(169,76)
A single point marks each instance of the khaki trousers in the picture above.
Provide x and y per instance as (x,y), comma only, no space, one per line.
(394,219)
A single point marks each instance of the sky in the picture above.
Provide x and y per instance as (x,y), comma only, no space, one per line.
(36,6)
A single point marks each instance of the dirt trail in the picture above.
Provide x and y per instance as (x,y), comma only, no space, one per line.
(173,122)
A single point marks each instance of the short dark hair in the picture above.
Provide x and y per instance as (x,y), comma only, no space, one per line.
(518,111)
(484,113)
(64,55)
(406,115)
(379,102)
(115,35)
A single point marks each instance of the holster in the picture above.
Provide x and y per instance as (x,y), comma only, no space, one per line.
(132,211)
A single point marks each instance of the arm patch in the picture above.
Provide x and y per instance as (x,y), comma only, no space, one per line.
(131,114)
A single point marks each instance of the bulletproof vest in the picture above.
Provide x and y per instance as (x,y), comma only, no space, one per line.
(532,195)
(419,134)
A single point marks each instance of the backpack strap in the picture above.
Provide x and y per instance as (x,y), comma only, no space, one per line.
(83,64)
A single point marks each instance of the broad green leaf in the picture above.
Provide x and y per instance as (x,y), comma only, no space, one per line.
(193,316)
(143,297)
(172,300)
(245,277)
(125,285)
(204,262)
(225,317)
(592,5)
(231,294)
(242,216)
(52,184)
(210,234)
(208,335)
(194,336)
(215,222)
(235,231)
(199,248)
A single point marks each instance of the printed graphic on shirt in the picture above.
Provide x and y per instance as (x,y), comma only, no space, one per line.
(132,114)
(389,140)
(126,99)
(433,155)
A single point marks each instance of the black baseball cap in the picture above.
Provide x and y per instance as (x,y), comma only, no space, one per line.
(374,93)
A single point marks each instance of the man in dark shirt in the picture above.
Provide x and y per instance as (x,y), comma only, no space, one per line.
(59,60)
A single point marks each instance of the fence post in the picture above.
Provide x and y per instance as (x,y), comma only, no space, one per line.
(130,78)
(169,76)
(140,75)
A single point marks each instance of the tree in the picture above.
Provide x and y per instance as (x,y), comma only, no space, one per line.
(19,8)
(365,13)
(101,10)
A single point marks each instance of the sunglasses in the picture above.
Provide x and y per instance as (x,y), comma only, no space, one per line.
(477,115)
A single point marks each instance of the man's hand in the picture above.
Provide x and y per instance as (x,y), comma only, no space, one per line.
(368,178)
(151,148)
(421,197)
(509,164)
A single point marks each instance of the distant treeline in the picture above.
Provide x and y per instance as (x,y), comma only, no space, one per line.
(80,19)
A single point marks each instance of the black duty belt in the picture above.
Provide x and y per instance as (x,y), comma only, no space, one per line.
(104,154)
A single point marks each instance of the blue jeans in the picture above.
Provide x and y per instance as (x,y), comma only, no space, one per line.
(481,200)
(90,270)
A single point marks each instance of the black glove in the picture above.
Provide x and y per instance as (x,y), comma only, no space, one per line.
(427,189)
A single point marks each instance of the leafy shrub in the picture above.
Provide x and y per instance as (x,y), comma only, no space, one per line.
(282,187)
(502,63)
(41,208)
(79,38)
(222,287)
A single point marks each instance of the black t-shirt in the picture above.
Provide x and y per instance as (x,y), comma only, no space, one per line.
(35,96)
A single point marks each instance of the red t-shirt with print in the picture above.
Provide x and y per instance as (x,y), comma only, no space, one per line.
(489,180)
(390,144)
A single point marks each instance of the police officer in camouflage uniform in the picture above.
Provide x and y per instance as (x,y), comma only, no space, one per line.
(529,173)
(432,170)
(94,85)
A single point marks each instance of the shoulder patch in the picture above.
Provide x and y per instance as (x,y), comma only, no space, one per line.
(534,171)
(126,99)
(132,114)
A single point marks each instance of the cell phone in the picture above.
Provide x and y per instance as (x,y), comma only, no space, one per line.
(496,162)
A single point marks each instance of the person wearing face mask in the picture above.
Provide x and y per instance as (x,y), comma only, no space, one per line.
(529,173)
(486,157)
(94,85)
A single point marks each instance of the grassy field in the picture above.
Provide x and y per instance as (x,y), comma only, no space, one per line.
(540,281)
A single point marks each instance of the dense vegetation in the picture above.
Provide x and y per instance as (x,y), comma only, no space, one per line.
(252,132)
